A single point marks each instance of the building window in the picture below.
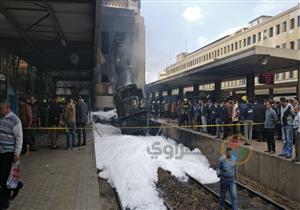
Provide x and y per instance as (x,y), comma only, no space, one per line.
(299,21)
(228,48)
(218,53)
(259,36)
(292,23)
(277,77)
(277,46)
(236,45)
(290,75)
(271,32)
(298,41)
(254,38)
(232,47)
(292,45)
(248,40)
(265,34)
(277,29)
(224,50)
(284,26)
(240,44)
(284,45)
(244,42)
(221,51)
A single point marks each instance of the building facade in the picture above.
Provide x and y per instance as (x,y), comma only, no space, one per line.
(122,48)
(280,31)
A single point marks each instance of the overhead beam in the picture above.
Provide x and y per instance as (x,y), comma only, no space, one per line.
(10,18)
(37,22)
(57,25)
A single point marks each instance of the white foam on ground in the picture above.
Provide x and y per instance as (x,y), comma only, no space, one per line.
(130,164)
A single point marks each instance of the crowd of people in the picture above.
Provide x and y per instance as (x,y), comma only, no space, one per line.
(263,120)
(17,131)
(54,116)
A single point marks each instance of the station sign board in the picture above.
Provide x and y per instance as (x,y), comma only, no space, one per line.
(266,78)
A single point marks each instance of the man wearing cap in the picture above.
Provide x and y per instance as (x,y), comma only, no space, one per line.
(11,139)
(246,115)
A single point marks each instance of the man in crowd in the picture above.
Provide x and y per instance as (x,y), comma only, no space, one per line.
(35,120)
(54,112)
(70,118)
(270,124)
(25,115)
(229,106)
(297,134)
(277,108)
(11,139)
(235,117)
(81,116)
(43,109)
(204,113)
(224,119)
(259,111)
(179,111)
(226,170)
(287,119)
(246,116)
(185,112)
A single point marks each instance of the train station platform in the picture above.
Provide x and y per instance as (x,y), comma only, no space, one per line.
(255,145)
(59,179)
(271,171)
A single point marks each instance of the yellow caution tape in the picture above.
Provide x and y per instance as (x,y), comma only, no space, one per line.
(156,126)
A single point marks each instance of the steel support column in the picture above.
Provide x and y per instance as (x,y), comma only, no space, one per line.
(196,90)
(250,86)
(217,91)
(271,93)
(180,93)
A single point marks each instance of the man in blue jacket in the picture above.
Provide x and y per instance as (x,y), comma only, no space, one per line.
(226,170)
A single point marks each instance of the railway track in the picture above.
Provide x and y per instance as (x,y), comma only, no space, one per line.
(247,198)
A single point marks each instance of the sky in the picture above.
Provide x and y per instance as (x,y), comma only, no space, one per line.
(172,26)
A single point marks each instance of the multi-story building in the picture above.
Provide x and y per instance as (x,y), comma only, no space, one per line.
(280,31)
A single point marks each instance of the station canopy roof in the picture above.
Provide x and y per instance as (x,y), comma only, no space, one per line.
(55,36)
(253,60)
